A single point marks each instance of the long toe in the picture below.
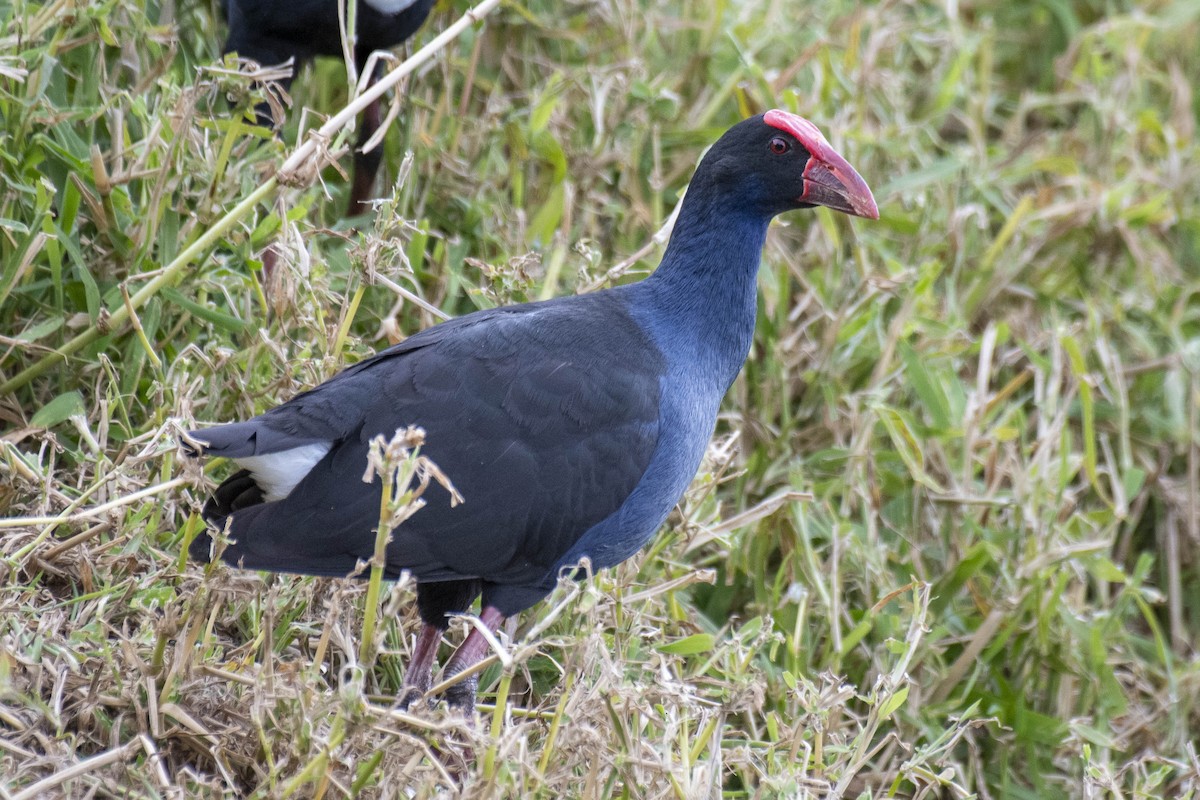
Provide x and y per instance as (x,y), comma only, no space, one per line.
(461,696)
(409,695)
(416,685)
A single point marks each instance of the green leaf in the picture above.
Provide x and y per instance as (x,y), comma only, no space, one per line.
(894,702)
(545,221)
(91,291)
(221,320)
(58,410)
(1106,570)
(928,390)
(43,328)
(1087,405)
(540,117)
(1132,480)
(907,444)
(856,635)
(550,150)
(1094,735)
(938,173)
(690,645)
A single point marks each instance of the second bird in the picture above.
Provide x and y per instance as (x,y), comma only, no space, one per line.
(272,31)
(571,427)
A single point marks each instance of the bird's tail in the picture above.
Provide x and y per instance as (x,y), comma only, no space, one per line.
(236,440)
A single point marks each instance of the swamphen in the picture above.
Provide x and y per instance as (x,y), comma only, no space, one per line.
(272,31)
(571,427)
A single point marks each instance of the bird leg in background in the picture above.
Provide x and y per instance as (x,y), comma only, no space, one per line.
(269,258)
(366,165)
(462,694)
(419,676)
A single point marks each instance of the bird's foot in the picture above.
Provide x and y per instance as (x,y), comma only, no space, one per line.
(461,696)
(410,695)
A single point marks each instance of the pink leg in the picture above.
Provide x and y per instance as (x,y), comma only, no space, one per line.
(462,695)
(419,676)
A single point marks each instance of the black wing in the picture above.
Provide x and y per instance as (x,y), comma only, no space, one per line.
(337,408)
(544,416)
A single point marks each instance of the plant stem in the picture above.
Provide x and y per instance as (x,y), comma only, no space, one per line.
(489,758)
(375,582)
(120,314)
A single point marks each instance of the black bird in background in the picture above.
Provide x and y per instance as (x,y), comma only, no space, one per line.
(272,31)
(571,427)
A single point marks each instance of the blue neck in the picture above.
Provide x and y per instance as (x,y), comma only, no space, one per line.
(704,291)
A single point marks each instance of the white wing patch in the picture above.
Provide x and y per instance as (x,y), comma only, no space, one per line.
(390,6)
(278,473)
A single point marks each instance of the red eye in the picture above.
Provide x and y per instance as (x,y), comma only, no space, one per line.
(779,145)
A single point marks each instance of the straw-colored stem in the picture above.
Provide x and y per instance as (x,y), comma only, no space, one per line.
(555,724)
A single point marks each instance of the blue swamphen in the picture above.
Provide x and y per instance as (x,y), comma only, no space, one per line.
(272,31)
(571,427)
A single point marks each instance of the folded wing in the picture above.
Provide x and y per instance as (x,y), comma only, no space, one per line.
(544,417)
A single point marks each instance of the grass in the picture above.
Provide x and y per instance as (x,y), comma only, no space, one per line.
(947,539)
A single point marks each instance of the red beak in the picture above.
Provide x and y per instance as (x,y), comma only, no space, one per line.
(829,180)
(834,183)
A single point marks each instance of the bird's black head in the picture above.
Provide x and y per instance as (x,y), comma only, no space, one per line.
(779,161)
